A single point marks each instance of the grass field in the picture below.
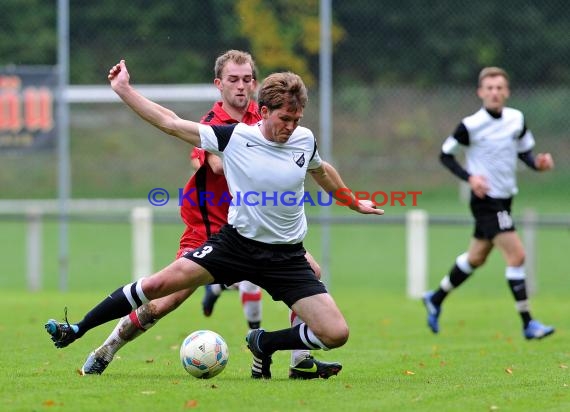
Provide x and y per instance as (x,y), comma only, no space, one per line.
(479,362)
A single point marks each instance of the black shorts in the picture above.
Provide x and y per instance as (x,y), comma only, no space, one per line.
(492,216)
(281,269)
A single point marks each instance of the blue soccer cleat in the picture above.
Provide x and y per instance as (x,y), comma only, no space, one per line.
(536,330)
(433,312)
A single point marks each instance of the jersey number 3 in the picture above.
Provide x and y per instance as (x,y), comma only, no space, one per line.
(201,253)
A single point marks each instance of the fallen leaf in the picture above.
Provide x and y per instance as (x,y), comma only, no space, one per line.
(192,403)
(562,366)
(348,386)
(409,373)
(509,371)
(148,392)
(213,386)
(493,408)
(48,402)
(149,360)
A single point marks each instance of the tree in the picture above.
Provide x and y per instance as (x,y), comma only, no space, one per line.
(283,34)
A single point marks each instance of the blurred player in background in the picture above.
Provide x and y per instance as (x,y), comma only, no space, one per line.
(493,138)
(235,76)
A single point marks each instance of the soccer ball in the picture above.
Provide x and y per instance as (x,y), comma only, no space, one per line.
(204,354)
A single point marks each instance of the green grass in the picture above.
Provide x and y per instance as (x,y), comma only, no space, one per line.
(479,362)
(391,362)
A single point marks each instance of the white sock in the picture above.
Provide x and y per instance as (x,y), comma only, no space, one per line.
(297,355)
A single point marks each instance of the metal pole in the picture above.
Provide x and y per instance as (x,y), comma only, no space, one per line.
(325,107)
(64,181)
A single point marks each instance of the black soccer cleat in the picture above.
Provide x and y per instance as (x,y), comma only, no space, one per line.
(261,367)
(209,301)
(62,334)
(311,368)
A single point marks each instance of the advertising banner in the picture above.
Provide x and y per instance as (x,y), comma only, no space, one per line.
(27,104)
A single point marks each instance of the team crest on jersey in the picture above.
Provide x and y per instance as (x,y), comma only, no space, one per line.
(299,158)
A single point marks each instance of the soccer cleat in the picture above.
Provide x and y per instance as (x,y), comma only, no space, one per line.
(62,334)
(433,312)
(536,330)
(310,368)
(209,301)
(261,367)
(94,365)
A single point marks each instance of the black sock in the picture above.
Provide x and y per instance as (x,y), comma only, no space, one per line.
(112,307)
(456,278)
(285,339)
(518,288)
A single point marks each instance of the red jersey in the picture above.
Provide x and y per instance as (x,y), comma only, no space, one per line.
(200,217)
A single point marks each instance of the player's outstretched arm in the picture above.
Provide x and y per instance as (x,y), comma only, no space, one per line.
(329,179)
(155,114)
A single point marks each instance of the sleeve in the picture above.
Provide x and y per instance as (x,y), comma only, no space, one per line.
(449,149)
(214,139)
(528,159)
(459,137)
(198,153)
(315,160)
(449,161)
(525,141)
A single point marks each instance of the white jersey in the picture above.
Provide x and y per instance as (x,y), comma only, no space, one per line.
(266,179)
(492,145)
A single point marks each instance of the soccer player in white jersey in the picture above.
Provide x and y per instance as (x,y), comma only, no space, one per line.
(493,139)
(235,77)
(265,166)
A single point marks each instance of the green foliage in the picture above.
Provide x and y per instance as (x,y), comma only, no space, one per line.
(290,36)
(411,42)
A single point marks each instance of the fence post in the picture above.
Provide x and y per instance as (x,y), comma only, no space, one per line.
(416,252)
(34,250)
(141,221)
(529,240)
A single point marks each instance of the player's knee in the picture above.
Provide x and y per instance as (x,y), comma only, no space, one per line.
(337,338)
(477,260)
(517,259)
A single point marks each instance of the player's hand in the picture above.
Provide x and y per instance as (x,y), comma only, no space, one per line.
(119,75)
(367,207)
(479,185)
(544,161)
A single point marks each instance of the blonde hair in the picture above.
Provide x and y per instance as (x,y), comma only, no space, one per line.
(236,56)
(283,89)
(492,72)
